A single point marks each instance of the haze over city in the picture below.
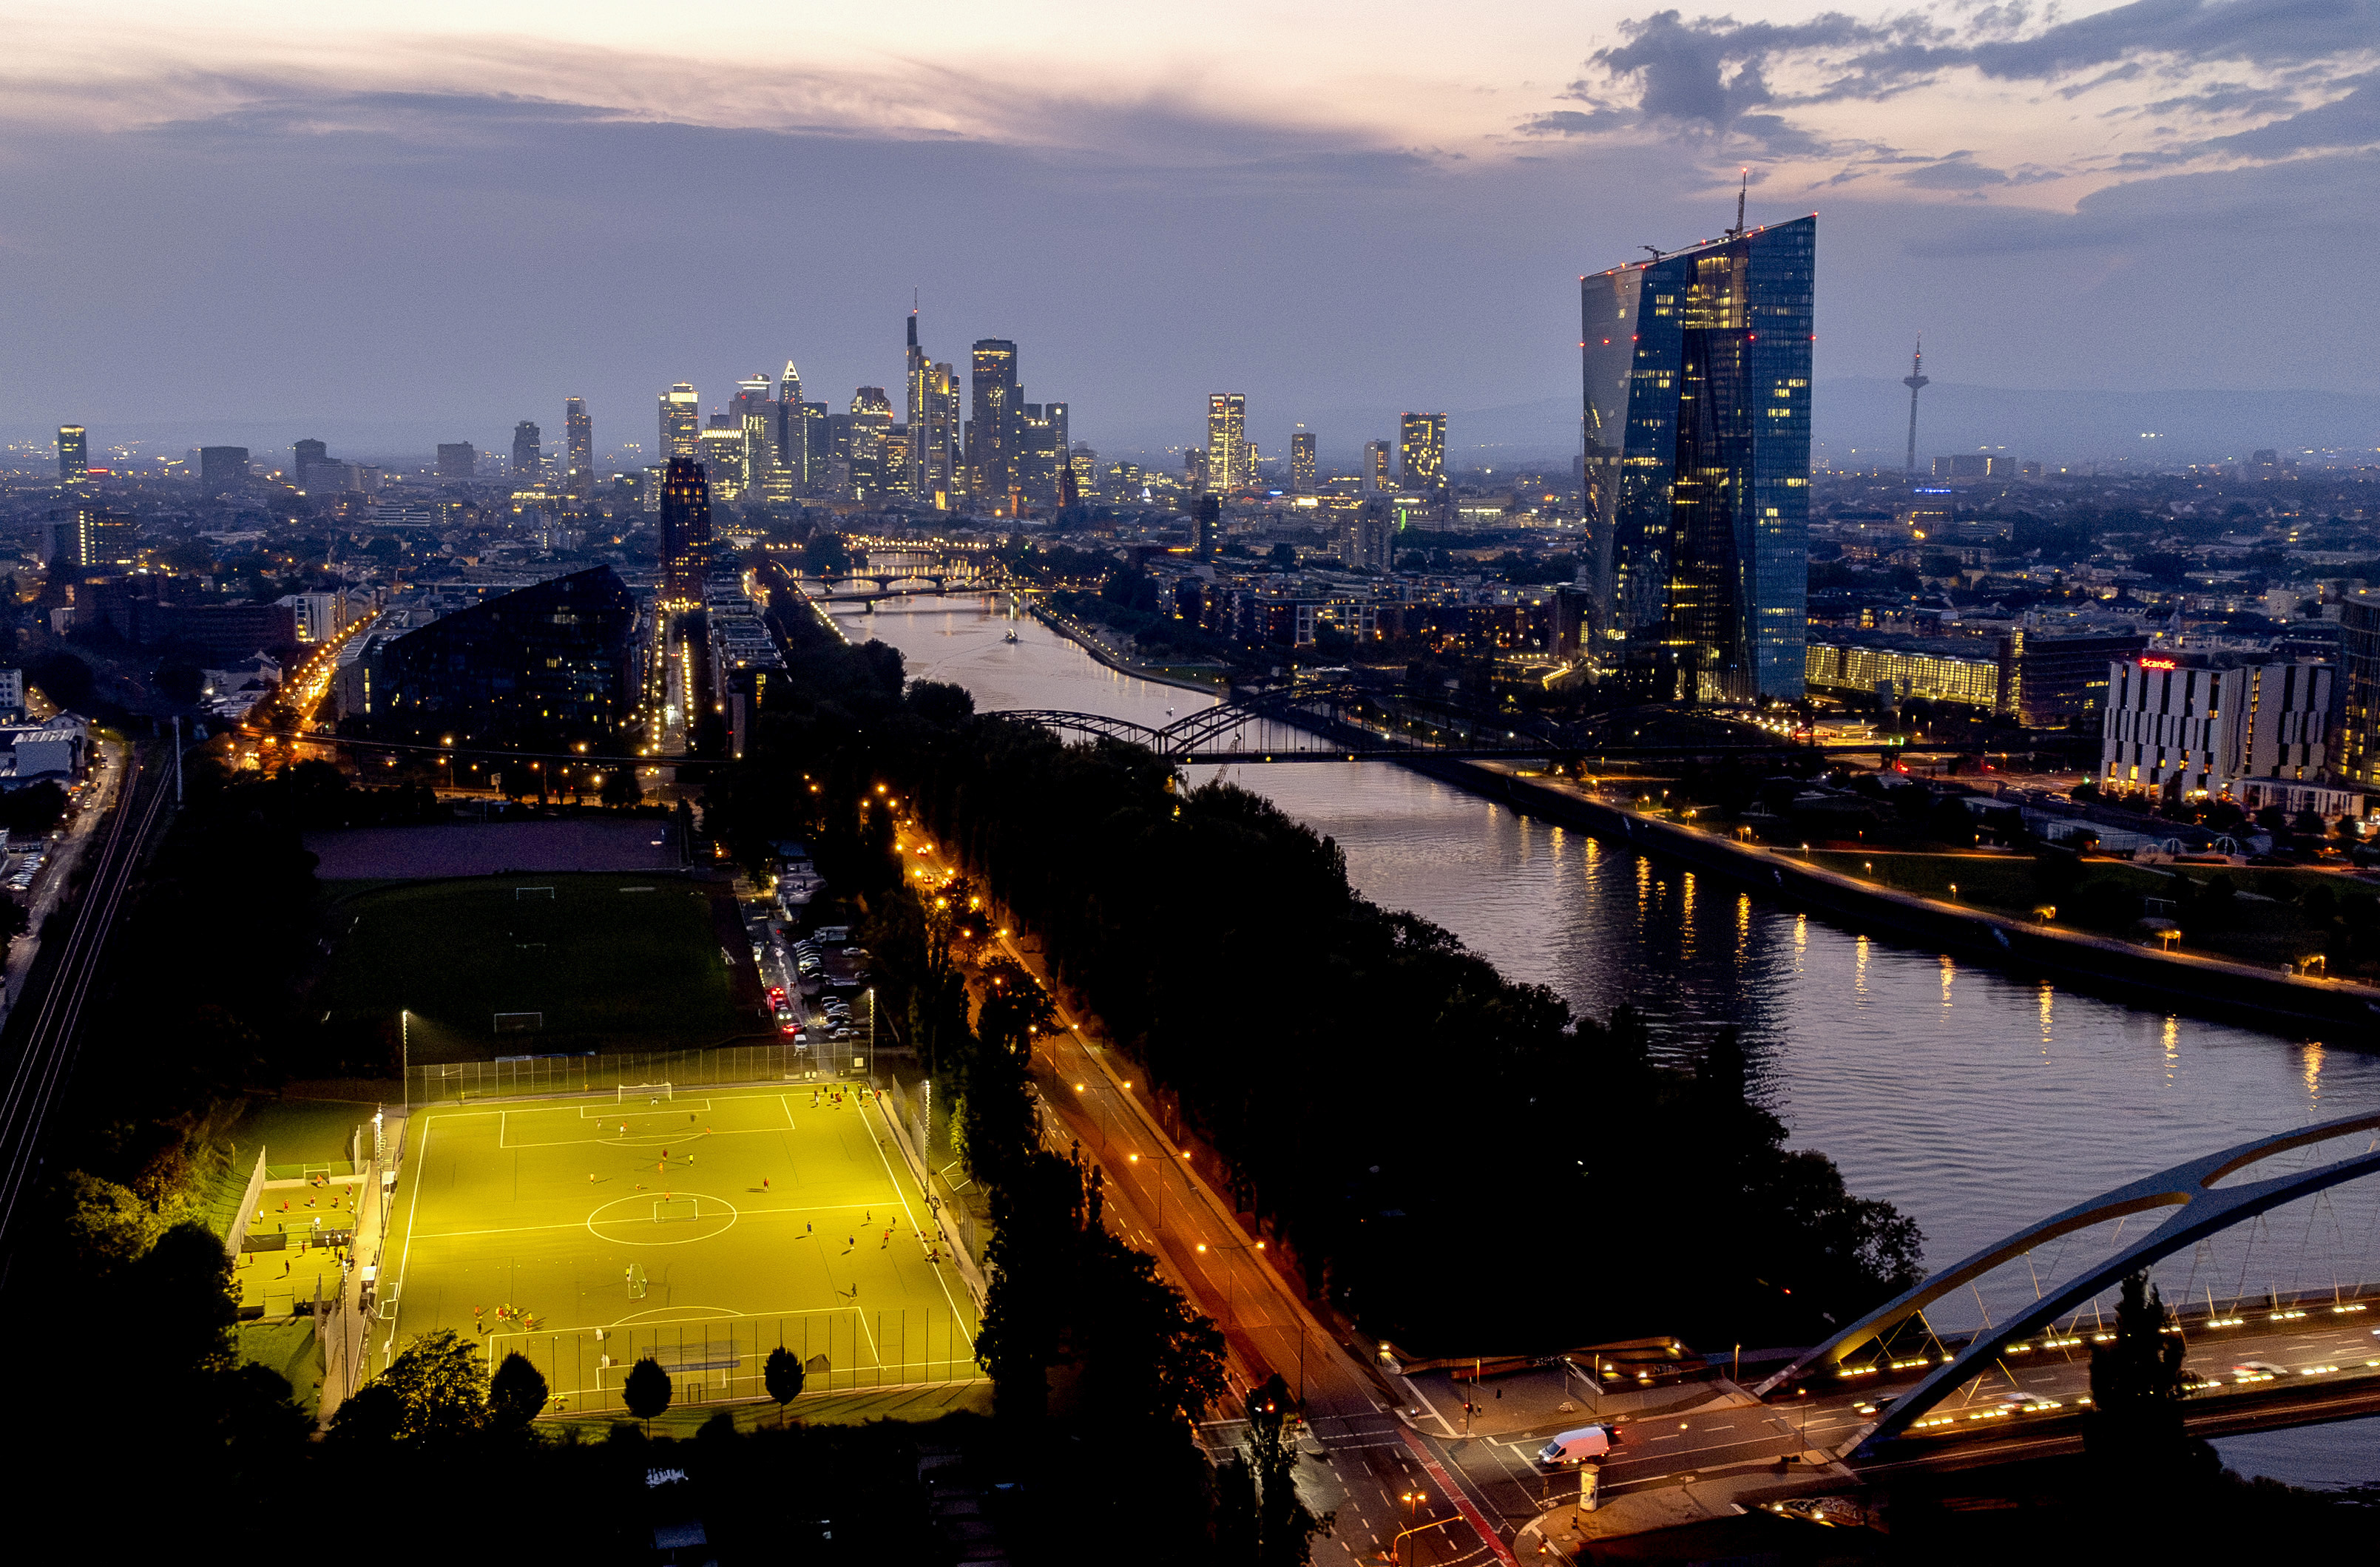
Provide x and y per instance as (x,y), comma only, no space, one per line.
(428,230)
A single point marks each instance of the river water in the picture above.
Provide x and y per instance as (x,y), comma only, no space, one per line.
(1975,1101)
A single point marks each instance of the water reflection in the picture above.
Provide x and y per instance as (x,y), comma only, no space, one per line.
(1928,1106)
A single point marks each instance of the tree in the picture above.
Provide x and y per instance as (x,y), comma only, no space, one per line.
(441,1384)
(782,1376)
(2134,1430)
(1259,1517)
(515,1394)
(1950,823)
(646,1391)
(826,555)
(621,787)
(375,1415)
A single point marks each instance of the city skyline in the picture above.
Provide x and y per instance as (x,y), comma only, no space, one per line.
(2008,195)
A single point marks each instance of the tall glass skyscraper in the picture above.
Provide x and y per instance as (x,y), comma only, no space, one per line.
(1696,436)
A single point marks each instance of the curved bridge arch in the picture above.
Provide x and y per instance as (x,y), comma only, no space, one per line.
(1196,731)
(1094,724)
(2201,1210)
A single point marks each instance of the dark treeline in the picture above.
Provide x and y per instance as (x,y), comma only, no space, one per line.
(1451,1156)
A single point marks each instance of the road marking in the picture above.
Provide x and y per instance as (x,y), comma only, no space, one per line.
(1447,1488)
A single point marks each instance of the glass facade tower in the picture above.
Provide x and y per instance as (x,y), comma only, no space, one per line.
(1696,439)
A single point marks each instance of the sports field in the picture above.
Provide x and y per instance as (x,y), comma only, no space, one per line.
(703,1229)
(605,961)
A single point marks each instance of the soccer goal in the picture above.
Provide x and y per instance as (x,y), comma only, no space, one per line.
(655,1093)
(666,1209)
(519,1021)
(310,1173)
(635,1291)
(523,895)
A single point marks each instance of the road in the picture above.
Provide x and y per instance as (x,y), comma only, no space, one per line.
(40,1037)
(1367,1460)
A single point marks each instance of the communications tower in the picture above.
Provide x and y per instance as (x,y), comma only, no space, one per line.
(1914,380)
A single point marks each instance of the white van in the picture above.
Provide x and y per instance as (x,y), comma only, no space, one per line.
(1577,1447)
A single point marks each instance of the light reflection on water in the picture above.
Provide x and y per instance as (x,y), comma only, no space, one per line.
(2002,1102)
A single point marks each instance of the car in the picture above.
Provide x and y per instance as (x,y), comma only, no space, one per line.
(777,994)
(2256,1371)
(1873,1406)
(2023,1403)
(1829,1512)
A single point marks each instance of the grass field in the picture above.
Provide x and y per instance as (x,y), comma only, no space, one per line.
(607,962)
(758,1217)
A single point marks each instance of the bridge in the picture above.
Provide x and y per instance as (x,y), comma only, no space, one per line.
(1326,722)
(2262,1359)
(1342,721)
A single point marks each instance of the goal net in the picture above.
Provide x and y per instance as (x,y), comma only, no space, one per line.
(635,1287)
(519,1021)
(668,1208)
(654,1093)
(523,895)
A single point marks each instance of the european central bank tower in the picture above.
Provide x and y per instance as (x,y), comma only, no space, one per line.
(1697,465)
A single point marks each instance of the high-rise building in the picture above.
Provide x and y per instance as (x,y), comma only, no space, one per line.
(946,467)
(578,448)
(1227,445)
(456,460)
(793,441)
(991,430)
(221,469)
(871,424)
(1042,475)
(74,451)
(1697,440)
(2222,725)
(305,454)
(1301,463)
(724,456)
(686,529)
(681,422)
(1377,457)
(1421,449)
(917,380)
(755,414)
(528,459)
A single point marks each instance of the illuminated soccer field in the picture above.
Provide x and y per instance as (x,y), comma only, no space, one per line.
(702,1230)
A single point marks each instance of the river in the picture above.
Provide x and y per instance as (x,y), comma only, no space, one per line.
(1975,1101)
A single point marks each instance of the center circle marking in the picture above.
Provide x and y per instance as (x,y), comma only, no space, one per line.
(629,1220)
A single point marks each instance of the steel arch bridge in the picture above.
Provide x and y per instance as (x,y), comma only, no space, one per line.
(2201,1210)
(1321,711)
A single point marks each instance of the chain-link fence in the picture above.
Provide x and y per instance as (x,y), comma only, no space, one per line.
(846,1350)
(528,1077)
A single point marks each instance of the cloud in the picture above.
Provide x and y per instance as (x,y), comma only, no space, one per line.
(1957,171)
(2232,207)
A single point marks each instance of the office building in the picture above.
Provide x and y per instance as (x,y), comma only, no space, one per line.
(223,468)
(1227,442)
(723,456)
(74,453)
(456,460)
(544,668)
(756,413)
(1696,440)
(685,530)
(1421,450)
(1043,476)
(991,426)
(1302,477)
(792,443)
(304,457)
(2359,646)
(1898,668)
(578,449)
(528,461)
(1367,540)
(2054,680)
(918,382)
(872,425)
(681,422)
(1377,454)
(945,469)
(2218,725)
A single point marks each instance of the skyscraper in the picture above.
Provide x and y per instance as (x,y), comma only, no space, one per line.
(304,455)
(579,448)
(1301,463)
(755,414)
(1375,465)
(793,430)
(945,469)
(871,423)
(991,429)
(681,422)
(1696,437)
(528,461)
(1227,445)
(918,379)
(686,529)
(1421,447)
(724,458)
(74,451)
(455,459)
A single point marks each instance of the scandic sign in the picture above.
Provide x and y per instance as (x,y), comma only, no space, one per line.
(2159,663)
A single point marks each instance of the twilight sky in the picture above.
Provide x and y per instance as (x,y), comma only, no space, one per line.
(405,223)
